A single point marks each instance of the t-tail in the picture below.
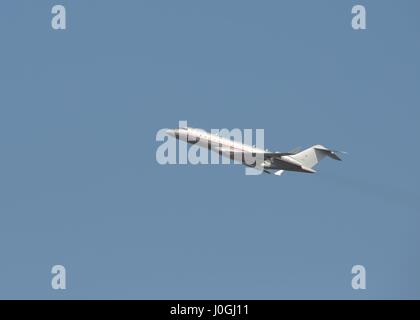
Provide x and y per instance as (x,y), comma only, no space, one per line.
(311,156)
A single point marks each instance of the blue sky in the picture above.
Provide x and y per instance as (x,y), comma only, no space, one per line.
(80,185)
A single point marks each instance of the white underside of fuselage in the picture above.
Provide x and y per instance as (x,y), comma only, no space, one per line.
(225,147)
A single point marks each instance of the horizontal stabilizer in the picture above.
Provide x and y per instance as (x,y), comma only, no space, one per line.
(279,173)
(330,153)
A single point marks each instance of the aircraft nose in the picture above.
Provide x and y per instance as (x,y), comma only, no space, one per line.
(170,132)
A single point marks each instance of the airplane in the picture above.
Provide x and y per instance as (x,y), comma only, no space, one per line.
(265,160)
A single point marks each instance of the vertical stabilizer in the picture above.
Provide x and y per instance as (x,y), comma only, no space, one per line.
(311,156)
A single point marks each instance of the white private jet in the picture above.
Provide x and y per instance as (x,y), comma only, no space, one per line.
(269,162)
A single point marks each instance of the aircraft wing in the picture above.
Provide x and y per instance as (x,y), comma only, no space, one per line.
(269,155)
(238,154)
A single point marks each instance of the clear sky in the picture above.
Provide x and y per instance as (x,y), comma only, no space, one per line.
(80,185)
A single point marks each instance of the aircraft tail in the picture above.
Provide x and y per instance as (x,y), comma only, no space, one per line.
(311,156)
